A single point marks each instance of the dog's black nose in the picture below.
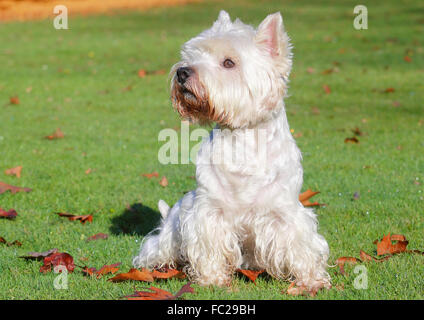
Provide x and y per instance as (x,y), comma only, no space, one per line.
(183,74)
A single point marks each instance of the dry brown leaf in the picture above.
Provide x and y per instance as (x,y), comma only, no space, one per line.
(10,214)
(14,171)
(72,217)
(98,236)
(133,274)
(141,73)
(305,196)
(167,273)
(39,255)
(163,182)
(351,140)
(343,260)
(326,88)
(58,134)
(106,269)
(150,175)
(160,294)
(251,274)
(389,90)
(407,59)
(57,259)
(14,100)
(7,187)
(14,243)
(366,257)
(385,246)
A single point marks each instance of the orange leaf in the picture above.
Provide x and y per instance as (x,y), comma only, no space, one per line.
(407,58)
(351,140)
(11,214)
(167,273)
(251,274)
(14,100)
(7,187)
(305,196)
(141,73)
(98,236)
(385,246)
(163,182)
(14,171)
(72,217)
(343,260)
(56,259)
(327,89)
(58,134)
(366,257)
(150,175)
(160,294)
(133,274)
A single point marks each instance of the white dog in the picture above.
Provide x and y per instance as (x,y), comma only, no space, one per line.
(245,214)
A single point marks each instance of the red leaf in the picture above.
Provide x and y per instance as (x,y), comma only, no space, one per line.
(327,89)
(166,273)
(305,196)
(150,175)
(251,274)
(7,187)
(343,260)
(14,171)
(14,100)
(98,236)
(58,134)
(72,217)
(160,294)
(39,255)
(133,274)
(14,243)
(11,214)
(385,246)
(57,259)
(351,140)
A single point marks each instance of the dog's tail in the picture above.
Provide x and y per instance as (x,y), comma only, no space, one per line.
(163,208)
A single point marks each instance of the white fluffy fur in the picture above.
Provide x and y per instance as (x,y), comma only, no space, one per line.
(240,216)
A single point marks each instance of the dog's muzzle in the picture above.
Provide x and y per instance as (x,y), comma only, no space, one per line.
(183,74)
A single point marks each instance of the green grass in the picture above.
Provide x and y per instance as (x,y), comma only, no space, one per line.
(78,76)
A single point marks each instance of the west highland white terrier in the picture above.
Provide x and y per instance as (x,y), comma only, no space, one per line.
(245,214)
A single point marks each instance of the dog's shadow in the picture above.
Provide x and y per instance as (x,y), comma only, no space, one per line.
(136,219)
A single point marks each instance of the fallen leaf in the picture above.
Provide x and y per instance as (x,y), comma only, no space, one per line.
(293,290)
(351,140)
(88,171)
(150,175)
(141,73)
(58,134)
(14,171)
(133,274)
(72,217)
(14,243)
(385,246)
(106,269)
(251,274)
(310,70)
(98,236)
(39,255)
(10,214)
(57,259)
(343,260)
(357,132)
(163,182)
(7,187)
(167,273)
(389,90)
(407,59)
(327,89)
(14,100)
(160,294)
(366,257)
(305,196)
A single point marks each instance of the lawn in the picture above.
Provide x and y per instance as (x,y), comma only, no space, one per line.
(85,81)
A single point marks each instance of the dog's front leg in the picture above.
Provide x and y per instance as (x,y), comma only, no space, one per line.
(288,245)
(211,248)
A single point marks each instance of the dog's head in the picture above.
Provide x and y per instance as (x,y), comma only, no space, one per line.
(233,74)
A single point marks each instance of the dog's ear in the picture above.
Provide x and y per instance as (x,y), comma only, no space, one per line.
(271,36)
(222,21)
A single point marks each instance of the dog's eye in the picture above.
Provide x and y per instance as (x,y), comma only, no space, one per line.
(228,63)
